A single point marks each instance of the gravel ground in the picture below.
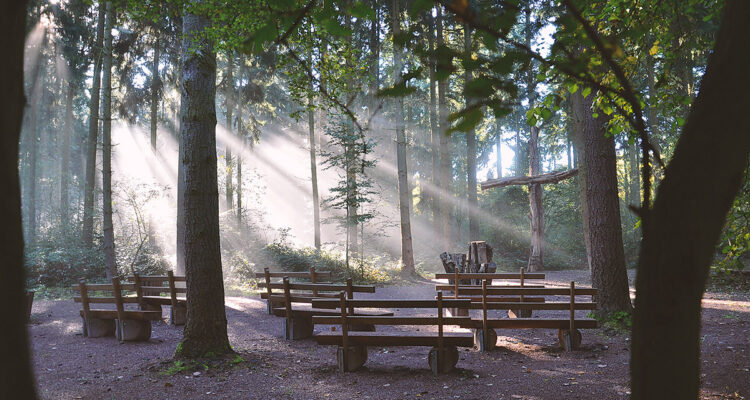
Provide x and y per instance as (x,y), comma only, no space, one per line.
(528,364)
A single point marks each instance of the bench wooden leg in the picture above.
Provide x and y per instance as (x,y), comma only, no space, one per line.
(133,330)
(519,313)
(357,357)
(301,328)
(178,315)
(447,362)
(271,305)
(484,344)
(96,327)
(567,341)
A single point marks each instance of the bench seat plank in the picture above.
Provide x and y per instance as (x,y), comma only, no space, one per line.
(112,314)
(394,338)
(281,312)
(161,300)
(390,320)
(491,305)
(543,323)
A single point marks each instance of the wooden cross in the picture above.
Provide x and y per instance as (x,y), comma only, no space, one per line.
(535,182)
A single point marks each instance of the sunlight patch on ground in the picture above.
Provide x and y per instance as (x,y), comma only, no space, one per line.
(726,304)
(243,303)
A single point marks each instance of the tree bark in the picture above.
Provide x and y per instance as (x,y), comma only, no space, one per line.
(65,161)
(87,235)
(404,190)
(499,149)
(206,327)
(600,204)
(33,133)
(16,376)
(435,195)
(155,88)
(536,258)
(230,112)
(680,232)
(313,161)
(471,152)
(445,156)
(110,260)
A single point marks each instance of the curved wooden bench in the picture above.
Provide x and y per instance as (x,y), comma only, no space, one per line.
(157,291)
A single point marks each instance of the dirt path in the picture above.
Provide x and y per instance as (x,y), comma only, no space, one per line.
(527,365)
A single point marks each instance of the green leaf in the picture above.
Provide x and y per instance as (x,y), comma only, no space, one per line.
(572,88)
(468,120)
(480,87)
(419,6)
(335,28)
(500,112)
(362,11)
(680,121)
(398,90)
(546,113)
(586,91)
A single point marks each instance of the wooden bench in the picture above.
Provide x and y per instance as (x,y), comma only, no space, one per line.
(298,322)
(312,276)
(568,335)
(352,346)
(457,291)
(157,291)
(123,324)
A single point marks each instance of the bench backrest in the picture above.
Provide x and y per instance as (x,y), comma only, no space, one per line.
(158,285)
(311,291)
(456,278)
(115,296)
(312,275)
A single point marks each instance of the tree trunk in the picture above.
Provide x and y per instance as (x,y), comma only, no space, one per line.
(445,156)
(16,376)
(65,162)
(230,112)
(435,194)
(471,152)
(680,232)
(404,190)
(600,204)
(499,149)
(87,235)
(313,161)
(206,327)
(155,88)
(108,230)
(536,258)
(241,134)
(33,133)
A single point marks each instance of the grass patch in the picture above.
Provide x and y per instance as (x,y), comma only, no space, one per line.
(619,321)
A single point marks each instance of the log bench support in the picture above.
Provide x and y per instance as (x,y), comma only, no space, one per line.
(132,330)
(97,327)
(178,314)
(356,357)
(445,363)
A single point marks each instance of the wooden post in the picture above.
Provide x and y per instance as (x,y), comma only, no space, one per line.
(440,330)
(350,294)
(313,279)
(85,304)
(485,337)
(520,298)
(344,333)
(288,306)
(455,284)
(172,291)
(120,309)
(268,289)
(572,309)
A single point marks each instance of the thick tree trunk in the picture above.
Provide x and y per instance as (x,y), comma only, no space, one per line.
(404,190)
(435,194)
(536,258)
(680,232)
(87,235)
(108,230)
(65,161)
(16,377)
(600,204)
(33,133)
(230,112)
(313,161)
(445,155)
(471,152)
(155,88)
(206,327)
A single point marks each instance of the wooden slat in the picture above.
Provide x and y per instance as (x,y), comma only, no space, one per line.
(493,290)
(396,338)
(105,287)
(296,275)
(138,315)
(527,275)
(281,312)
(300,297)
(544,323)
(390,303)
(107,300)
(281,298)
(164,289)
(390,320)
(506,299)
(161,300)
(330,287)
(532,306)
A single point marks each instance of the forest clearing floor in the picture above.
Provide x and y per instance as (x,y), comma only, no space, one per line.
(528,364)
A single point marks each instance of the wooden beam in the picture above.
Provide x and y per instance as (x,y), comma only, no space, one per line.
(552,177)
